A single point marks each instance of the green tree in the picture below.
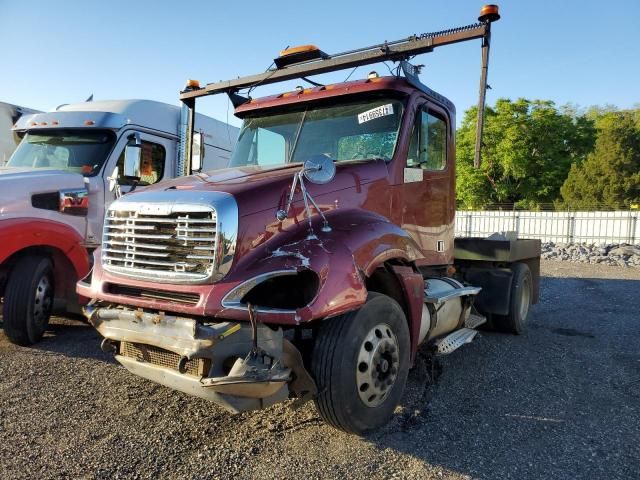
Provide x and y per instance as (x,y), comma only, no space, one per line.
(528,149)
(611,173)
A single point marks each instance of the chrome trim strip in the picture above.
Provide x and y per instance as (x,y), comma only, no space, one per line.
(159,276)
(232,299)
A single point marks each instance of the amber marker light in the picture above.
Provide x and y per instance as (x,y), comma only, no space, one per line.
(89,122)
(194,84)
(299,49)
(489,13)
(298,54)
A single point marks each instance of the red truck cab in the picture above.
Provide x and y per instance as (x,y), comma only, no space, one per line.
(314,265)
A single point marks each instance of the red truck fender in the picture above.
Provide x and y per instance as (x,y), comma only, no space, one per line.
(344,260)
(58,239)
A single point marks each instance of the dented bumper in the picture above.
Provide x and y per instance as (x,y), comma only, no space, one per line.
(215,361)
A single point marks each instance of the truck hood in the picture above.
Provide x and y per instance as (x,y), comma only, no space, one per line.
(17,185)
(259,190)
(15,173)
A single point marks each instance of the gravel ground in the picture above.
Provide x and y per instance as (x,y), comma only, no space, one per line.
(561,401)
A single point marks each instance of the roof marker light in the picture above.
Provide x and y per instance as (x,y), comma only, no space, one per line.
(489,13)
(301,53)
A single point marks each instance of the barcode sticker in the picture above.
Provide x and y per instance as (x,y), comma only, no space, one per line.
(381,111)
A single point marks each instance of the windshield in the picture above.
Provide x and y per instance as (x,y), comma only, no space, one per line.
(71,150)
(364,129)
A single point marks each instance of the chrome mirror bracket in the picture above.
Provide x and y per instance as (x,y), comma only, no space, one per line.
(308,200)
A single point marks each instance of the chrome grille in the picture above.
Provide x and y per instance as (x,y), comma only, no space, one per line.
(160,245)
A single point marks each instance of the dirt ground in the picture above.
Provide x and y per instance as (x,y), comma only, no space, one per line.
(561,401)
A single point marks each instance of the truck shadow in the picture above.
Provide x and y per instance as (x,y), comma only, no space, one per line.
(70,337)
(529,406)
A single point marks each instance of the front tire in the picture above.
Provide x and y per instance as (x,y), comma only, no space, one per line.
(28,300)
(360,363)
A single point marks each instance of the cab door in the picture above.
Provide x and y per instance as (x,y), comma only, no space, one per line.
(158,155)
(429,185)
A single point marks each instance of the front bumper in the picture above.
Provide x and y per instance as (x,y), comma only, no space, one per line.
(214,361)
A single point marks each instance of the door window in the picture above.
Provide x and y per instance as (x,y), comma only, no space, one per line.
(428,146)
(151,165)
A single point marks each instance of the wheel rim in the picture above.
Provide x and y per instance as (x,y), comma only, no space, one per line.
(525,296)
(42,302)
(378,365)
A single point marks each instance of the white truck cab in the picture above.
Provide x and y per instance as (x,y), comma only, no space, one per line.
(57,184)
(9,115)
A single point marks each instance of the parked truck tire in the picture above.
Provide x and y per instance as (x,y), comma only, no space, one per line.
(519,303)
(360,362)
(28,299)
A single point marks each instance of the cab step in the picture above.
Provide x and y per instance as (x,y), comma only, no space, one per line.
(455,340)
(475,320)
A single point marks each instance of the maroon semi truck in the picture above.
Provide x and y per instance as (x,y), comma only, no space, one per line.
(315,265)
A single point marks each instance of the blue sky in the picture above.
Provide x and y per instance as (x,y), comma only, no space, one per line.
(581,52)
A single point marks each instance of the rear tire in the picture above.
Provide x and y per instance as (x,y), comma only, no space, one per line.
(519,302)
(28,300)
(360,363)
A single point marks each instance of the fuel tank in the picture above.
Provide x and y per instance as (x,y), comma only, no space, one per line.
(447,305)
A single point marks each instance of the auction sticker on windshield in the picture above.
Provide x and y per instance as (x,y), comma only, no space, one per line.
(381,111)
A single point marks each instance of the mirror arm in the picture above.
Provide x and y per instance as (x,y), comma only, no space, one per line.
(325,226)
(116,185)
(305,194)
(306,198)
(135,138)
(283,214)
(134,184)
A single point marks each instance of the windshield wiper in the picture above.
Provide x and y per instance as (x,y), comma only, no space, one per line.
(295,139)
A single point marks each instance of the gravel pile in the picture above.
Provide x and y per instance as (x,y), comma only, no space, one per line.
(622,255)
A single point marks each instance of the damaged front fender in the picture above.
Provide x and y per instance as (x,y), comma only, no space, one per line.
(300,281)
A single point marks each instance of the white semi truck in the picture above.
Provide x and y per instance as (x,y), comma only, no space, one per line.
(55,188)
(9,115)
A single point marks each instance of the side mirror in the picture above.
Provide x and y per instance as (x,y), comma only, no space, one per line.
(197,152)
(133,157)
(319,169)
